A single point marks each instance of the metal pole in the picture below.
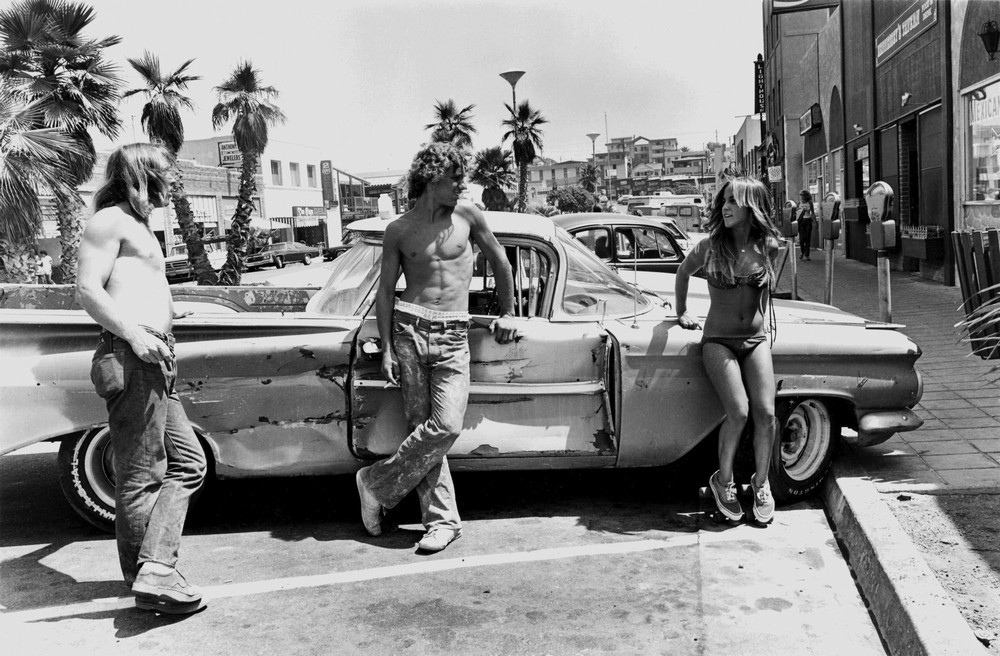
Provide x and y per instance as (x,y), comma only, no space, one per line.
(884,288)
(828,287)
(790,246)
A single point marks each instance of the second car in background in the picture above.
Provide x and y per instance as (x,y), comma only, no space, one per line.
(281,254)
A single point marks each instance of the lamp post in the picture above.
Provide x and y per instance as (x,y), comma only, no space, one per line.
(512,77)
(593,150)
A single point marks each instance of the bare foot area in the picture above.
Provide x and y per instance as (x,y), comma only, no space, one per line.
(959,537)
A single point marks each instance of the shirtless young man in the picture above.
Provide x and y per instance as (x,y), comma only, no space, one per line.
(425,339)
(159,463)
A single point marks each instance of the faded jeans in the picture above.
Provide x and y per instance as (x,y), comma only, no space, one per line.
(433,360)
(159,463)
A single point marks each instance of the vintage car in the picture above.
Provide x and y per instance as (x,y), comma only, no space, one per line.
(178,266)
(600,376)
(281,254)
(624,241)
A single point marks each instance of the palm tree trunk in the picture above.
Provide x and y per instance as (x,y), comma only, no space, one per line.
(69,208)
(232,270)
(19,264)
(202,268)
(522,188)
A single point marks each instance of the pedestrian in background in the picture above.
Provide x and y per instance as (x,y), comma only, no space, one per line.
(807,218)
(739,260)
(159,463)
(44,269)
(425,339)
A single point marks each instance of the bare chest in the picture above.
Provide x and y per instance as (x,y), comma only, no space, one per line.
(437,243)
(141,247)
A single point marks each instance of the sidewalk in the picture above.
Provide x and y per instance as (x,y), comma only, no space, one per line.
(940,482)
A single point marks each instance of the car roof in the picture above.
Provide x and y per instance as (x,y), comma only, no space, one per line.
(501,223)
(571,221)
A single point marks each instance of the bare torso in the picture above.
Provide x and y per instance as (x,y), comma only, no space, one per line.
(436,259)
(138,284)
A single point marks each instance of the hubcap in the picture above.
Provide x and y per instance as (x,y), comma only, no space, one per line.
(99,466)
(805,439)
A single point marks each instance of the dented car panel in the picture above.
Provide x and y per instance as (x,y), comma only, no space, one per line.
(543,394)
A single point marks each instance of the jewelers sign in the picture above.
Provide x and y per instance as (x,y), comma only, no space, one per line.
(913,22)
(229,155)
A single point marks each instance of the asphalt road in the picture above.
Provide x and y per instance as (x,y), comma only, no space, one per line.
(595,562)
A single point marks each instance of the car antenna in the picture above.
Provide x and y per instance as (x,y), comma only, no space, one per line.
(635,284)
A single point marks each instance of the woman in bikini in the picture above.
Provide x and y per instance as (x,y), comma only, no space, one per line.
(738,259)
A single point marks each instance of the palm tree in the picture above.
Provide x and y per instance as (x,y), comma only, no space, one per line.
(247,102)
(588,177)
(452,124)
(493,168)
(31,160)
(527,138)
(161,119)
(46,51)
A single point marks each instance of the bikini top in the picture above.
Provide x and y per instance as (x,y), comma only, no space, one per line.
(756,278)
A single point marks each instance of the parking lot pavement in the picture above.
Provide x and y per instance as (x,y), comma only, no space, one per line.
(550,563)
(922,539)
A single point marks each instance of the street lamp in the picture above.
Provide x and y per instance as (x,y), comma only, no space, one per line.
(512,77)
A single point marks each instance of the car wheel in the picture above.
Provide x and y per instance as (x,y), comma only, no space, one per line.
(87,476)
(279,263)
(307,260)
(86,465)
(803,450)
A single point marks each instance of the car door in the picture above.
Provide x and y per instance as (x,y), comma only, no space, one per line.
(532,402)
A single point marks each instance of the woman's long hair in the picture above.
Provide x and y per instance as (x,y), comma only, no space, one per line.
(134,173)
(722,255)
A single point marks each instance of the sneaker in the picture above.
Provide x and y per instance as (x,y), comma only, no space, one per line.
(725,498)
(437,539)
(163,589)
(371,509)
(763,502)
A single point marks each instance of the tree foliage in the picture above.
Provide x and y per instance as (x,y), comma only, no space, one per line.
(453,124)
(571,199)
(524,129)
(246,101)
(493,168)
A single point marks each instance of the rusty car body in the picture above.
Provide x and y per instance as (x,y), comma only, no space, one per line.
(601,375)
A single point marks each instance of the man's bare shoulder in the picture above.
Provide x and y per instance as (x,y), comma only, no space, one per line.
(110,220)
(470,212)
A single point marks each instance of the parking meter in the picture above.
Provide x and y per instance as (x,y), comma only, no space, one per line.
(878,198)
(829,222)
(789,225)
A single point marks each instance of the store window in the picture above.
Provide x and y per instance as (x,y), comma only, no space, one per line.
(983,135)
(815,177)
(311,175)
(293,170)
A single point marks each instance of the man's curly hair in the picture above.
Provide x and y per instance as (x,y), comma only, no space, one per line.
(430,164)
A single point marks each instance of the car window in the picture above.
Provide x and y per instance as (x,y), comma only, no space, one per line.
(592,289)
(643,244)
(596,241)
(531,272)
(352,277)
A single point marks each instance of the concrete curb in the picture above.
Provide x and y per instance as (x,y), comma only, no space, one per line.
(915,614)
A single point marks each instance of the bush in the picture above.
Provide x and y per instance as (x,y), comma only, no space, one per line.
(571,199)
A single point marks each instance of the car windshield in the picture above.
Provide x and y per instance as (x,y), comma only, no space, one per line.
(592,289)
(352,277)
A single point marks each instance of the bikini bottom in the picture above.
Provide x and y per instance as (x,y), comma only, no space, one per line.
(740,347)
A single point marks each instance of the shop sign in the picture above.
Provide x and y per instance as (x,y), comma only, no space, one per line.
(326,181)
(811,120)
(788,6)
(229,155)
(758,70)
(774,174)
(304,211)
(987,110)
(913,22)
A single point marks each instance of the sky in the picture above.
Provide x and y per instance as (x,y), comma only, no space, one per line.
(359,79)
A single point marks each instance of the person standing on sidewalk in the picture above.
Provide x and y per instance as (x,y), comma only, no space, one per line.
(159,463)
(425,339)
(738,258)
(807,218)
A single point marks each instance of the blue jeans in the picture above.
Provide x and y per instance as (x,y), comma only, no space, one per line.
(159,463)
(434,374)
